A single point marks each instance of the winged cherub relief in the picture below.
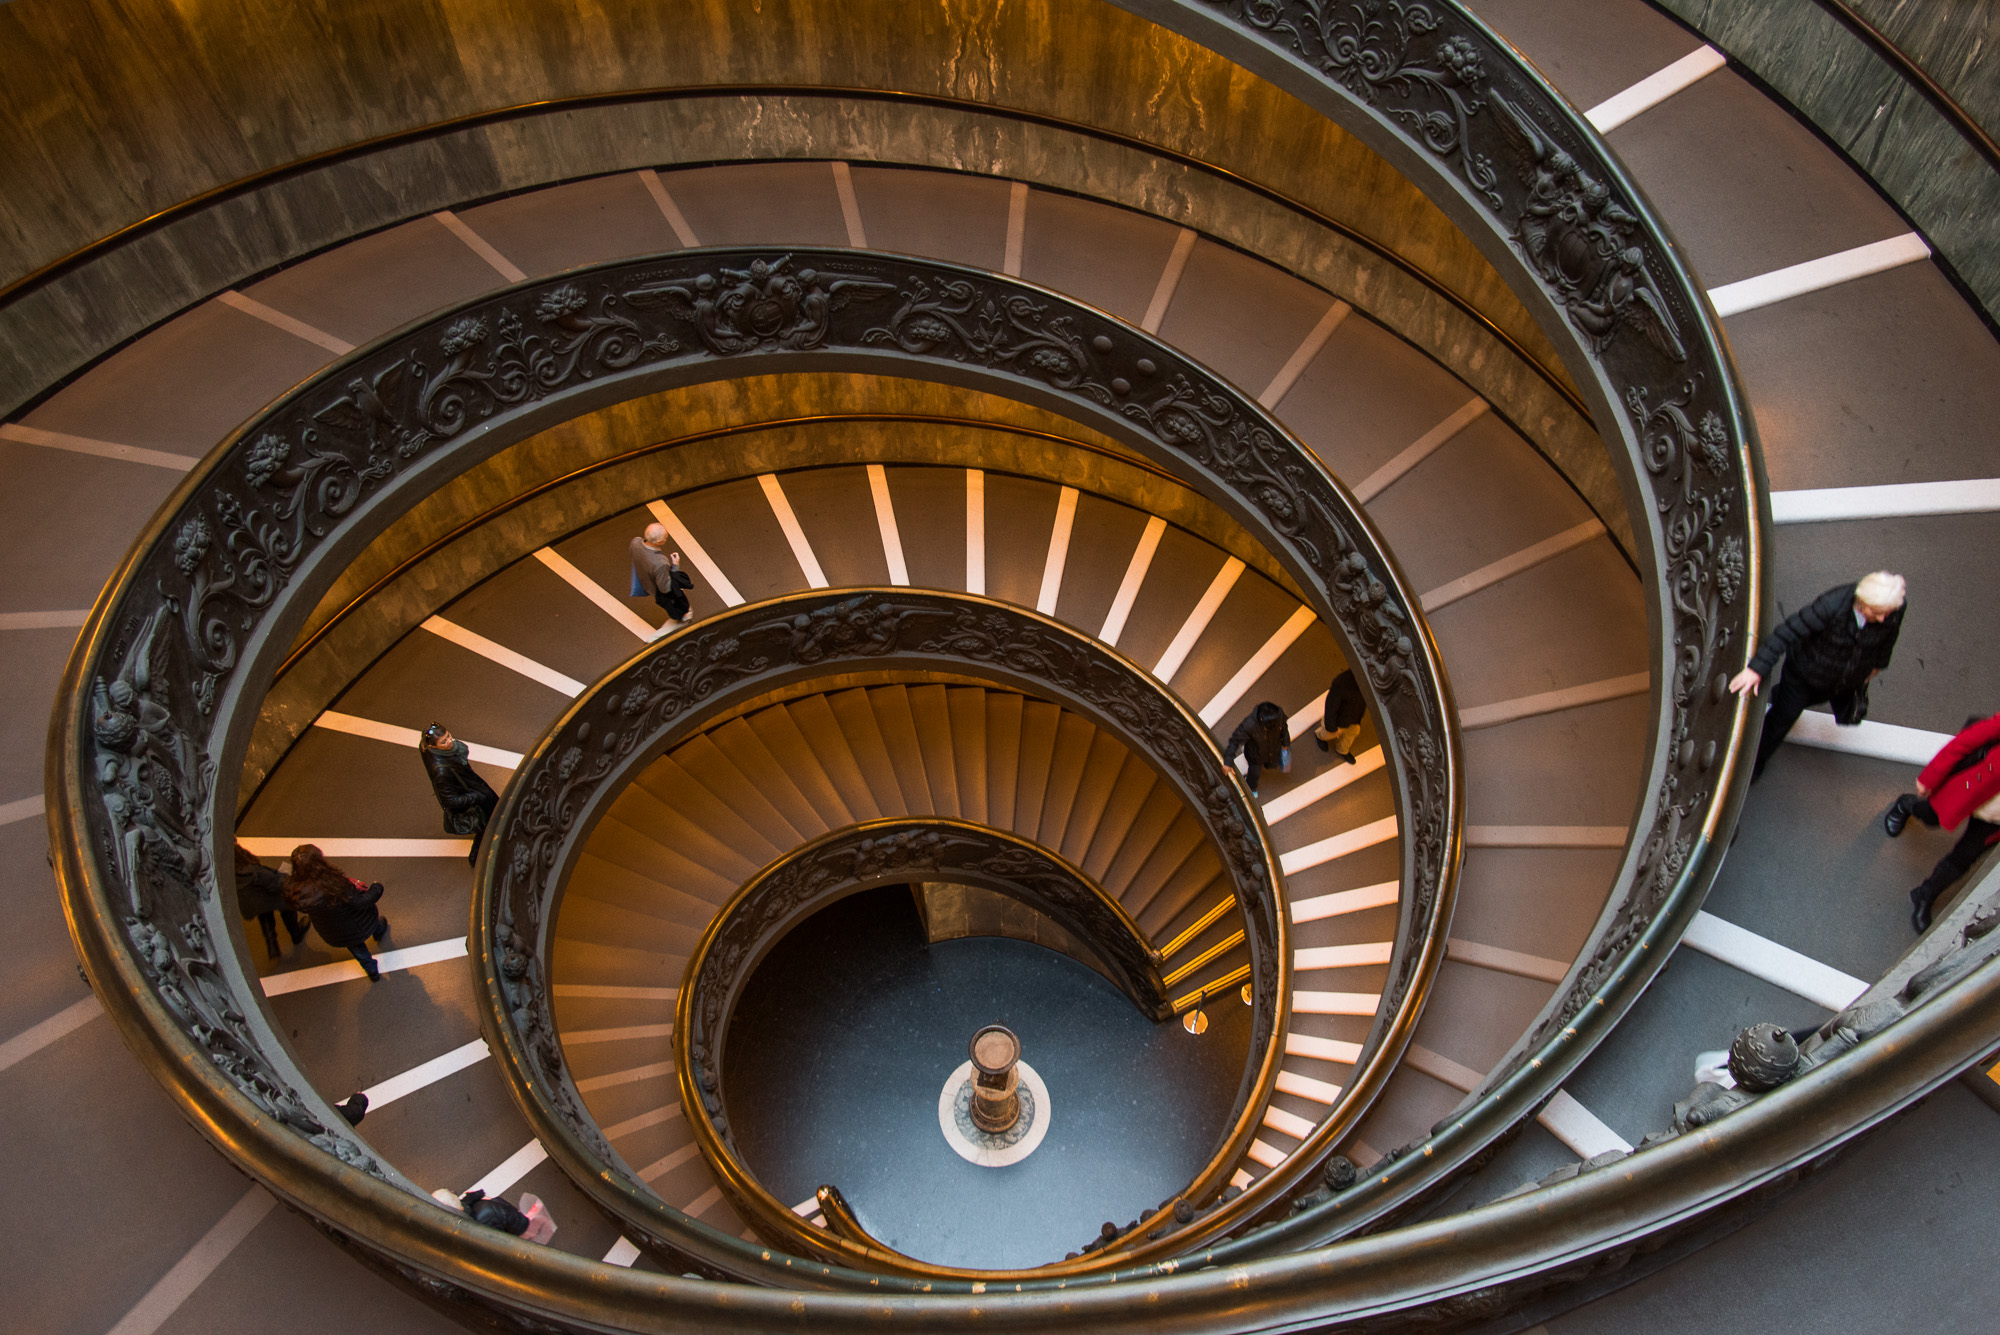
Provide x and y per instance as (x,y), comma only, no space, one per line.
(1574,233)
(763,306)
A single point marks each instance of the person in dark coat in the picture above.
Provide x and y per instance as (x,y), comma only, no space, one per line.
(1340,730)
(1831,648)
(342,909)
(1962,783)
(1261,741)
(260,894)
(467,799)
(657,571)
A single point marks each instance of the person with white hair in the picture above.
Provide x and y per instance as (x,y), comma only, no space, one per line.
(657,571)
(1831,648)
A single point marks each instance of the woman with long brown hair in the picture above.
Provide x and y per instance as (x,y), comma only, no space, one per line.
(342,909)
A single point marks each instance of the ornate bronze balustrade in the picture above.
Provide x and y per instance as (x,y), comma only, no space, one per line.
(194,620)
(671,691)
(159,692)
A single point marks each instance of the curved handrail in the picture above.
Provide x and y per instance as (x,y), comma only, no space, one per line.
(673,690)
(160,691)
(1428,85)
(1432,88)
(888,851)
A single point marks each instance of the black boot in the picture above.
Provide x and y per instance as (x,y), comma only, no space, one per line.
(1921,900)
(268,921)
(1899,814)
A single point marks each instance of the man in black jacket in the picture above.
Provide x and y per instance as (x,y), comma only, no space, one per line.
(467,799)
(1831,647)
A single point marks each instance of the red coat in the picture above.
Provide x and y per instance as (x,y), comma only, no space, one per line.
(1956,796)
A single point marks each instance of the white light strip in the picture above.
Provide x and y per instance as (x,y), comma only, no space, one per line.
(44,620)
(1545,836)
(703,1203)
(850,208)
(1305,1087)
(277,319)
(667,1163)
(1444,595)
(1346,901)
(1233,690)
(480,246)
(1341,957)
(1322,1049)
(1878,741)
(665,1113)
(38,1036)
(1579,1128)
(1287,1123)
(577,1037)
(1781,966)
(630,1075)
(1017,228)
(623,1253)
(795,536)
(505,657)
(1654,89)
(697,555)
(1896,500)
(975,528)
(23,808)
(1310,717)
(1288,374)
(1058,558)
(131,454)
(597,593)
(1197,620)
(1428,444)
(1442,1068)
(885,519)
(1551,702)
(668,209)
(1135,575)
(614,992)
(511,1170)
(1170,278)
(1813,275)
(1501,960)
(432,1071)
(1323,784)
(1339,845)
(200,1261)
(280,846)
(1265,1153)
(334,721)
(1336,1003)
(347,971)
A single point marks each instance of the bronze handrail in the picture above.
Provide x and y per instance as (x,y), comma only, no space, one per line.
(1440,94)
(139,229)
(673,690)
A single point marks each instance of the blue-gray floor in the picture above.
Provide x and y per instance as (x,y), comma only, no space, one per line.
(842,1043)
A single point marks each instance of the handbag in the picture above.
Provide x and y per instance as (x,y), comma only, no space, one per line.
(1850,708)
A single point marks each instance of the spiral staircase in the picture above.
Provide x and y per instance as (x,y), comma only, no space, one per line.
(1497,956)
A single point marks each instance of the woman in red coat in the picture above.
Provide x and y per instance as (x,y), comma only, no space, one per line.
(1962,783)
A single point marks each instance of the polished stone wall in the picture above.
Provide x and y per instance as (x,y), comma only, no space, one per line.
(1884,124)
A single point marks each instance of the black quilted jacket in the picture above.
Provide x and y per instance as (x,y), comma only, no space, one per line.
(1821,644)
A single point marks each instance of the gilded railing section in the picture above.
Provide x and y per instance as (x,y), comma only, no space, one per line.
(672,690)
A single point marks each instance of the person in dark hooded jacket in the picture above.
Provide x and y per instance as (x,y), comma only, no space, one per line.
(1261,741)
(467,799)
(342,909)
(260,894)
